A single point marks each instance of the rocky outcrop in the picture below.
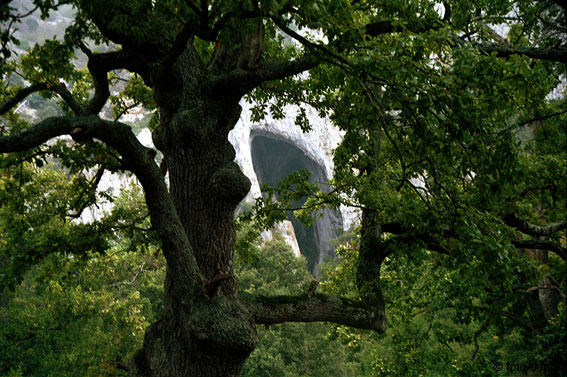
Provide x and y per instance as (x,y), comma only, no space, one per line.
(270,150)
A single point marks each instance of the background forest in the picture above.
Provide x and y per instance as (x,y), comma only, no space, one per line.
(82,316)
(467,182)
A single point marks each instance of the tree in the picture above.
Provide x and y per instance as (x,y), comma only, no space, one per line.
(78,317)
(200,58)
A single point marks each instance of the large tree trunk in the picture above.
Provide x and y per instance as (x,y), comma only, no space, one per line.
(207,331)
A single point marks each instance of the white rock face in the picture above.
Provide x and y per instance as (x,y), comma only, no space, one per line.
(317,144)
(285,228)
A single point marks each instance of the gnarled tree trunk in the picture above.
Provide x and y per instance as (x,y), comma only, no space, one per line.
(204,332)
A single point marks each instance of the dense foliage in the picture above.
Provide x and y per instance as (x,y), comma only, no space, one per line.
(454,119)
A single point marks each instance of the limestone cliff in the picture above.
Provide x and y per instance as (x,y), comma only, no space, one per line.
(270,150)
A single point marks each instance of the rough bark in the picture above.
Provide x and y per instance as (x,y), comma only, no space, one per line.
(317,307)
(370,257)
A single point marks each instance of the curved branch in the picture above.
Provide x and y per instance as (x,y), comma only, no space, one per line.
(101,87)
(541,245)
(532,229)
(100,64)
(316,308)
(240,81)
(57,88)
(21,95)
(139,160)
(35,136)
(551,54)
(68,98)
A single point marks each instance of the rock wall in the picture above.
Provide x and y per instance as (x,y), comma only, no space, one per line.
(269,150)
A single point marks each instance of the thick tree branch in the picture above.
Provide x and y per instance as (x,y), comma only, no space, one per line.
(21,95)
(541,245)
(141,29)
(100,64)
(57,88)
(316,308)
(102,90)
(240,81)
(382,27)
(139,160)
(68,98)
(288,69)
(395,228)
(37,135)
(532,229)
(551,54)
(427,241)
(126,58)
(175,51)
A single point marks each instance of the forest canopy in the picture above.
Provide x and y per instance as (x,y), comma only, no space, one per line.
(454,154)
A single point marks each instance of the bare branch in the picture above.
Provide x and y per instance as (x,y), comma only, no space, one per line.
(139,160)
(125,110)
(315,308)
(551,54)
(57,88)
(532,229)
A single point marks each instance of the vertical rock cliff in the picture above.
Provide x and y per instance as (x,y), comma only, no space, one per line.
(270,150)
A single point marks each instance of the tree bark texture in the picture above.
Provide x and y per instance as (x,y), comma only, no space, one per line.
(206,331)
